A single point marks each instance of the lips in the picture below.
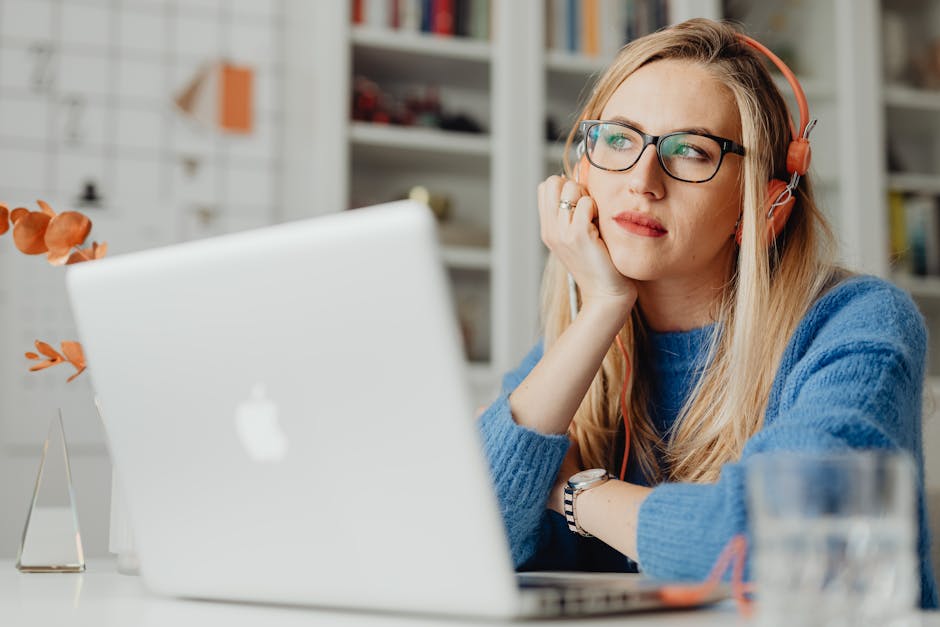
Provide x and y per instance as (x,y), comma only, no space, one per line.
(640,224)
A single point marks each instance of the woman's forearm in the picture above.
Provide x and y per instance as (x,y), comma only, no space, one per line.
(547,399)
(611,513)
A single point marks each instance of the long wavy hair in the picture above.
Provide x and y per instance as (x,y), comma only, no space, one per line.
(768,291)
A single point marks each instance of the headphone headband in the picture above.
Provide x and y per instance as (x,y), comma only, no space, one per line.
(791,78)
(798,154)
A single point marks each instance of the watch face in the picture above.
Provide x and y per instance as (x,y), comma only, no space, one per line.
(587,477)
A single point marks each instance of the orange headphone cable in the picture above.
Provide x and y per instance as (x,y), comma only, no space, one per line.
(623,407)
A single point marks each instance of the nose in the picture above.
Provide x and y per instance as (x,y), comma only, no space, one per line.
(646,177)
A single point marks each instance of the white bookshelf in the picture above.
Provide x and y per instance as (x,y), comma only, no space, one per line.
(910,116)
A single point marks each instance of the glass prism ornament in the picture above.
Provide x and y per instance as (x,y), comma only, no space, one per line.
(51,538)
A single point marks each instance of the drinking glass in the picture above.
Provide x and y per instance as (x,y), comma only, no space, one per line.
(834,538)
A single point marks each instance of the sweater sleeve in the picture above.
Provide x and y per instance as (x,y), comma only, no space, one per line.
(523,463)
(851,377)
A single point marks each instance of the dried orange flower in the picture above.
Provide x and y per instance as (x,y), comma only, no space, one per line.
(17,213)
(60,236)
(65,231)
(73,354)
(29,232)
(45,231)
(97,251)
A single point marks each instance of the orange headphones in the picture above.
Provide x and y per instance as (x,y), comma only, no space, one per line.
(781,197)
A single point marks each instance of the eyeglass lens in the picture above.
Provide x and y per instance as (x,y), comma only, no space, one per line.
(685,156)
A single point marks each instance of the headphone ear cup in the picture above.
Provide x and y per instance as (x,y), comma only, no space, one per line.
(781,213)
(778,219)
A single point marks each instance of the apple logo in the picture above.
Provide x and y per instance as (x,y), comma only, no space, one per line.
(258,428)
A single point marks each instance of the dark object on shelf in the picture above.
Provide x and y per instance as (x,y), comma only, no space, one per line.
(422,107)
(927,66)
(90,196)
(366,99)
(552,132)
(427,109)
(895,163)
(460,122)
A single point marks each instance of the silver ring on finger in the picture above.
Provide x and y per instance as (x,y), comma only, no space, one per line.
(566,205)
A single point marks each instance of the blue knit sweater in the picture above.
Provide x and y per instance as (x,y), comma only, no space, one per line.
(850,377)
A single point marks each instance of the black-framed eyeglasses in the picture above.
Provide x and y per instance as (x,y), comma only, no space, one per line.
(684,155)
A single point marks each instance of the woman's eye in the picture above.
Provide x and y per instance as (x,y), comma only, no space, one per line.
(688,151)
(619,142)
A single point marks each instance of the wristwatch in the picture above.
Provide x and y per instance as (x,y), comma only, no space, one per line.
(578,483)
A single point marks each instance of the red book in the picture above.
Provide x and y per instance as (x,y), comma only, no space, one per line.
(357,11)
(442,17)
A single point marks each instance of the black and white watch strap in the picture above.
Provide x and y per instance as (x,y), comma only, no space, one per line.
(573,525)
(578,483)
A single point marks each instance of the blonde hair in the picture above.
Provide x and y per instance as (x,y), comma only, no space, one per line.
(766,295)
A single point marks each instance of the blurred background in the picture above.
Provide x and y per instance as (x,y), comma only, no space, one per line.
(171,120)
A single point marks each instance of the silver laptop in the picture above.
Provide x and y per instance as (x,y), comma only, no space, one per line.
(288,414)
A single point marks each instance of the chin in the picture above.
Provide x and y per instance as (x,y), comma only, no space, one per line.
(638,269)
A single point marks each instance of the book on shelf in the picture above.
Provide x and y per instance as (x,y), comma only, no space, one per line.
(914,230)
(442,17)
(448,18)
(589,27)
(601,27)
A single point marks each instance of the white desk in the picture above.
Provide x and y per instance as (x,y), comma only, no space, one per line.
(103,598)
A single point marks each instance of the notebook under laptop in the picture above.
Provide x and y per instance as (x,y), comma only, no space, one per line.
(288,415)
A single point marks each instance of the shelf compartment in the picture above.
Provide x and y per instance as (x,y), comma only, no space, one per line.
(815,89)
(480,371)
(571,63)
(424,58)
(915,183)
(466,257)
(421,139)
(918,286)
(554,158)
(445,46)
(472,304)
(425,148)
(906,97)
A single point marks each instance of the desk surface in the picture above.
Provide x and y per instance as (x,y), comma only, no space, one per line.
(104,598)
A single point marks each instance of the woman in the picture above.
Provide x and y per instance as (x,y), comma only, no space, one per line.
(709,312)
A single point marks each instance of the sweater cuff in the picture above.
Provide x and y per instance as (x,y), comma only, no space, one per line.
(671,544)
(523,460)
(524,464)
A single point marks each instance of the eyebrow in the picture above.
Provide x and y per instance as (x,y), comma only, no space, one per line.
(701,130)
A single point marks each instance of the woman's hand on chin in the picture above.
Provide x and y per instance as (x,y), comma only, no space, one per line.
(573,236)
